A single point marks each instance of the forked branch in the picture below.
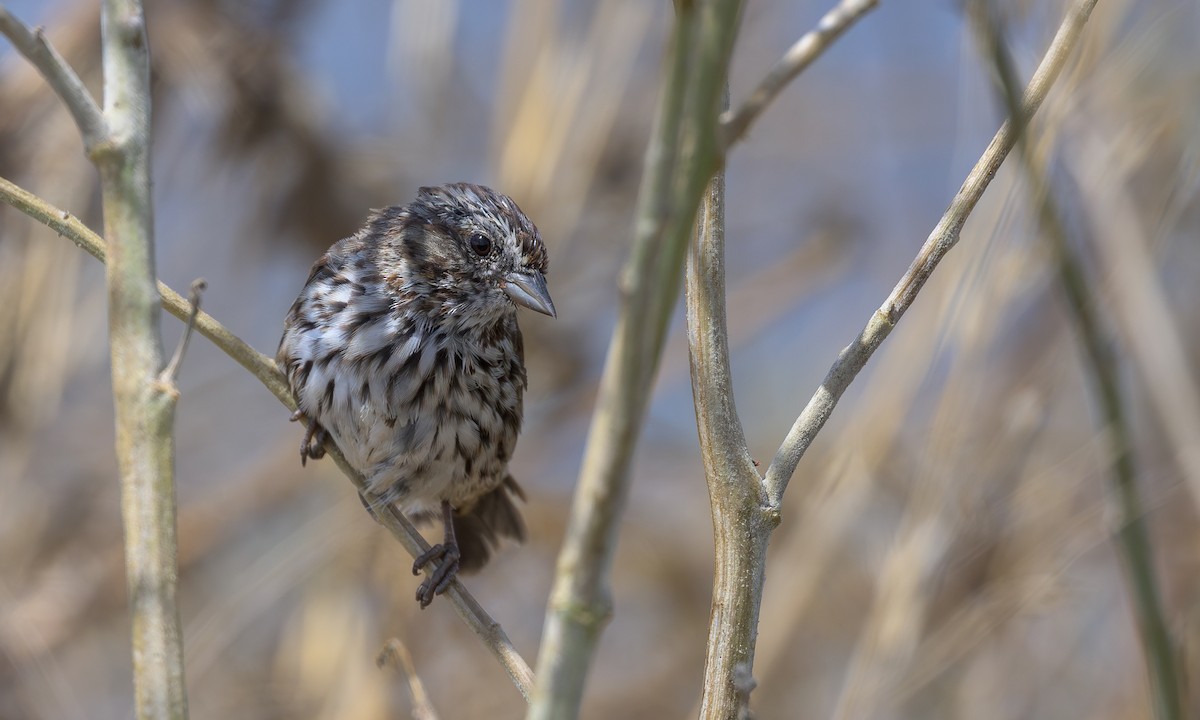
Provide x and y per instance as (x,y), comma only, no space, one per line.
(745,509)
(944,237)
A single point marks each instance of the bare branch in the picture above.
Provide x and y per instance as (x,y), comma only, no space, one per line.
(464,603)
(59,75)
(735,124)
(263,368)
(852,359)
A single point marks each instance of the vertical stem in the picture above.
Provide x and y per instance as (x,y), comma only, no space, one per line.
(145,405)
(580,601)
(742,522)
(741,531)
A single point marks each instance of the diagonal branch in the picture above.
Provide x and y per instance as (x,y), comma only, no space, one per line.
(59,75)
(735,123)
(852,359)
(263,368)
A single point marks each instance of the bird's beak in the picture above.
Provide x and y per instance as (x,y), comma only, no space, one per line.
(529,289)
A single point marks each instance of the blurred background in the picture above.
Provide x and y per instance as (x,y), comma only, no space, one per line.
(945,550)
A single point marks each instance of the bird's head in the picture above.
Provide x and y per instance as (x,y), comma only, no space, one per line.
(472,250)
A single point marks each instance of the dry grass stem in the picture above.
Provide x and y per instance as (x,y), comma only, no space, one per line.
(396,654)
(1152,336)
(1132,536)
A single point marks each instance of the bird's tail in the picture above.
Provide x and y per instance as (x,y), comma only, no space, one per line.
(480,529)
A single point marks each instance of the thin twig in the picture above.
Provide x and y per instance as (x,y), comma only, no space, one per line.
(852,359)
(70,227)
(171,372)
(59,75)
(1132,535)
(682,156)
(264,369)
(735,123)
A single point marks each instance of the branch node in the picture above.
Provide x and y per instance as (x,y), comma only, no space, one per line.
(133,30)
(772,515)
(592,617)
(743,681)
(887,315)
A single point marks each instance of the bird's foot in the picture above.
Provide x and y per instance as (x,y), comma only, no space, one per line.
(447,556)
(313,444)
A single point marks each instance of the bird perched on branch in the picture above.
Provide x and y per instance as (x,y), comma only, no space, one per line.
(403,350)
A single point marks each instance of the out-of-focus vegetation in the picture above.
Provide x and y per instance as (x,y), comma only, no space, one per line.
(945,549)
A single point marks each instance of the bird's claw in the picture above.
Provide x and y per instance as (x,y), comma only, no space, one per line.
(313,444)
(447,556)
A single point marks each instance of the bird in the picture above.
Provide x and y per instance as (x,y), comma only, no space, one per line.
(403,350)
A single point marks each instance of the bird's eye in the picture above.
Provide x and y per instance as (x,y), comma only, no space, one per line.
(481,245)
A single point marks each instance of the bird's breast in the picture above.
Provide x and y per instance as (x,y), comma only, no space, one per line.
(429,415)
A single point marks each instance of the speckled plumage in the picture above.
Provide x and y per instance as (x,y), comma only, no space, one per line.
(404,348)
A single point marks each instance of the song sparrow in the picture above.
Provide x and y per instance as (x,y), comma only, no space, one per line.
(403,349)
